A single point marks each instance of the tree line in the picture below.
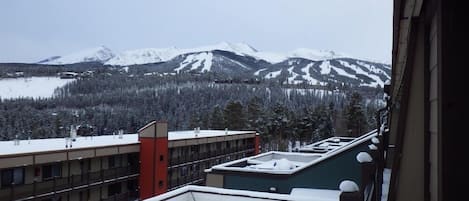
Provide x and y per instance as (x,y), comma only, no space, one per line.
(113,102)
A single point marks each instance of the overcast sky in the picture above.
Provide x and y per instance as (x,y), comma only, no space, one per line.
(31,30)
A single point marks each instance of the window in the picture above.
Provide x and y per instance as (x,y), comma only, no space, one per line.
(114,161)
(114,189)
(183,171)
(12,176)
(161,157)
(160,184)
(51,171)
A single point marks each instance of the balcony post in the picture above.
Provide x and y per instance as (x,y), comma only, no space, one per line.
(349,191)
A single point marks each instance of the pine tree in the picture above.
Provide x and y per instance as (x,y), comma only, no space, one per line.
(254,114)
(356,121)
(216,118)
(234,116)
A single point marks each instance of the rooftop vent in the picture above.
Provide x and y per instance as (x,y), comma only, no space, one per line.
(16,142)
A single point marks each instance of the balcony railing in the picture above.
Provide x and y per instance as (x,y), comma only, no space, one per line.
(64,184)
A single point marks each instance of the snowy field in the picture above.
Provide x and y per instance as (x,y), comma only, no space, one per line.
(35,87)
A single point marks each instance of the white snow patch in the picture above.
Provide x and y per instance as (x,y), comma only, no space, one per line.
(54,144)
(259,71)
(364,157)
(292,78)
(273,74)
(343,72)
(358,70)
(308,76)
(197,60)
(316,194)
(348,186)
(315,54)
(372,147)
(385,186)
(143,56)
(325,67)
(35,87)
(375,140)
(97,54)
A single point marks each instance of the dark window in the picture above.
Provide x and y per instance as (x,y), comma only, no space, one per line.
(12,176)
(51,171)
(114,189)
(160,184)
(161,157)
(114,161)
(183,171)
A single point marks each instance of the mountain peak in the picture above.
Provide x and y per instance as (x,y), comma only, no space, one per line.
(96,54)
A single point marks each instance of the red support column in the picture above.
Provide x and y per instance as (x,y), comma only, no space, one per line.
(153,159)
(257,143)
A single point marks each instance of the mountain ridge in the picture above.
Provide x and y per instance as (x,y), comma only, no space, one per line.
(308,66)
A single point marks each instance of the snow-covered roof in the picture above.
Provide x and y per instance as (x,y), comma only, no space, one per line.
(180,135)
(313,194)
(327,145)
(290,162)
(204,193)
(271,162)
(56,144)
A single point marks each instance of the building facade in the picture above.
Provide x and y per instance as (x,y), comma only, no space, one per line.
(318,166)
(106,172)
(117,167)
(427,100)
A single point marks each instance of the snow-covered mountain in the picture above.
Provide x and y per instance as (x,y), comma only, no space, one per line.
(239,59)
(98,54)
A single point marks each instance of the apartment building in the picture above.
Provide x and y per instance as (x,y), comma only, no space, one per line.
(97,168)
(116,167)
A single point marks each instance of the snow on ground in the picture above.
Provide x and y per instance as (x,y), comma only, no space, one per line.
(196,61)
(325,67)
(373,69)
(292,78)
(359,70)
(273,74)
(308,77)
(343,72)
(143,56)
(314,54)
(207,62)
(270,57)
(98,54)
(259,71)
(35,87)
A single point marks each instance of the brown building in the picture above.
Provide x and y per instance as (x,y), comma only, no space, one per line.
(117,167)
(426,111)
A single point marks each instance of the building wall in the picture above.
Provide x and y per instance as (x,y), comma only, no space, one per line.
(411,180)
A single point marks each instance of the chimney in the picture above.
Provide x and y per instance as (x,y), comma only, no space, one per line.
(16,142)
(121,133)
(73,133)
